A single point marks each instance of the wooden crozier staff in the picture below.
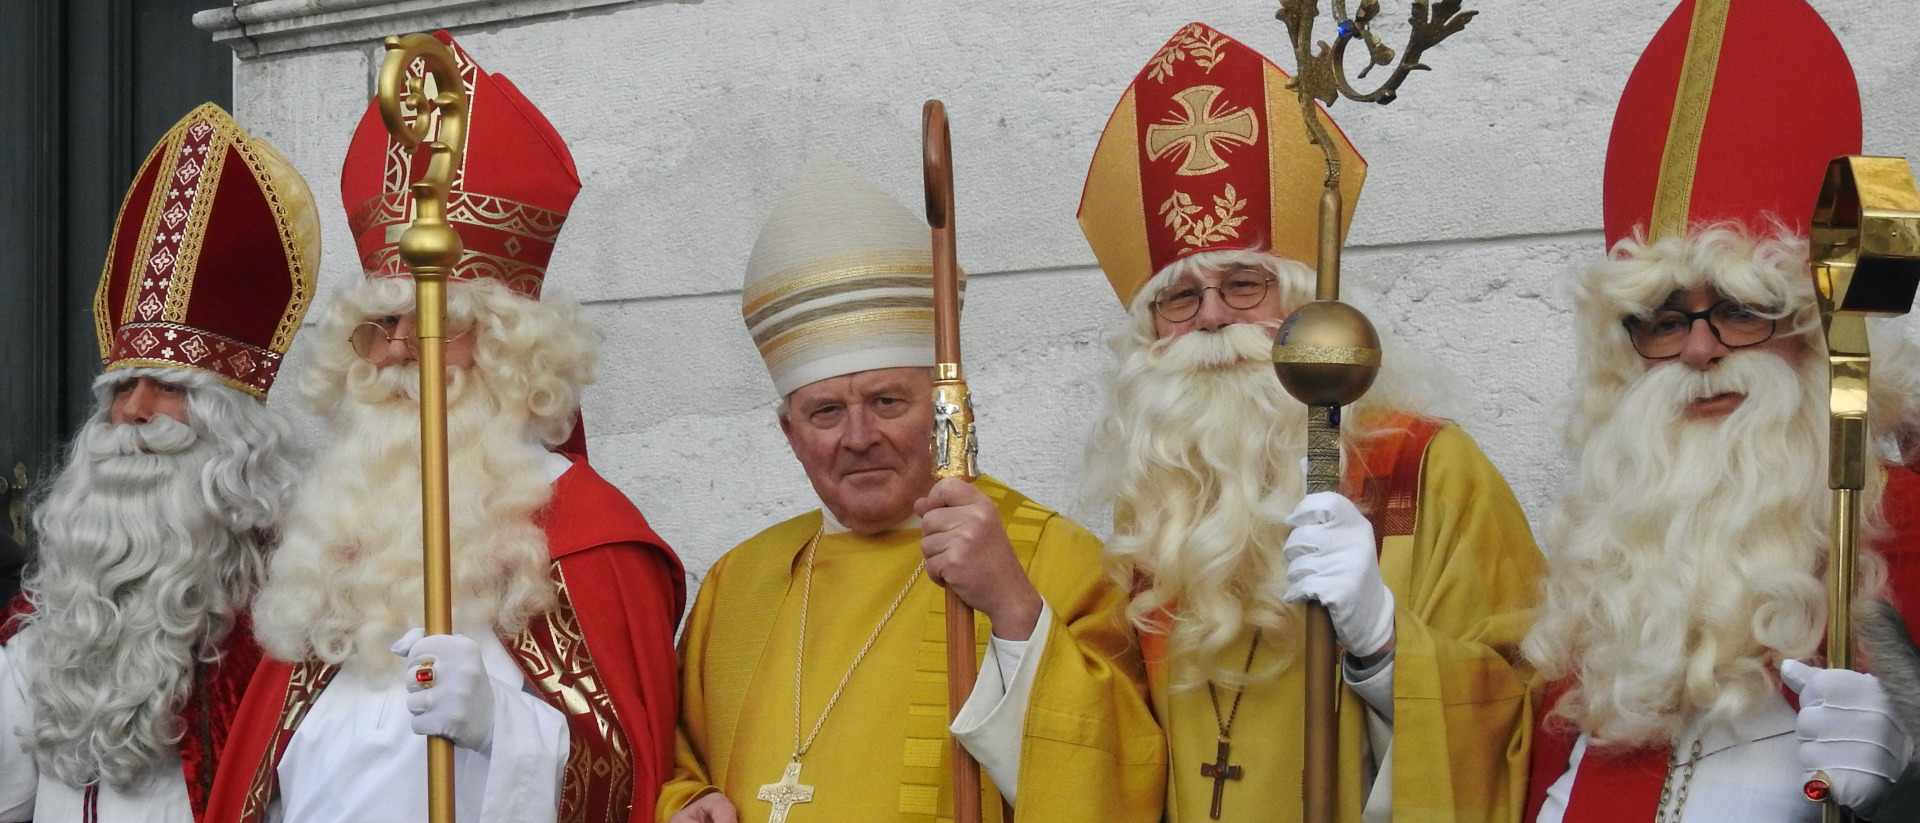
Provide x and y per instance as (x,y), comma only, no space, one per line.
(1865,253)
(954,449)
(1327,353)
(430,248)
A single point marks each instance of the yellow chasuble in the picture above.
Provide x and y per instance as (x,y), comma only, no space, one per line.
(1090,748)
(1464,575)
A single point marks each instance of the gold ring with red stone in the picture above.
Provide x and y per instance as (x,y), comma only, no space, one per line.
(1818,789)
(423,674)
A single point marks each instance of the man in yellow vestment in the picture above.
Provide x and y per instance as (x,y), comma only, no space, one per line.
(1199,203)
(797,707)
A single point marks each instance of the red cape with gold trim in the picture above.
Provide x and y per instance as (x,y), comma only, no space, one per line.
(607,555)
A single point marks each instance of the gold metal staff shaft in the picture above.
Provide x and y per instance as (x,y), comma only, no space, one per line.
(953,445)
(1864,253)
(430,248)
(1327,353)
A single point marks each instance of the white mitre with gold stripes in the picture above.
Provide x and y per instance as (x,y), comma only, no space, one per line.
(840,281)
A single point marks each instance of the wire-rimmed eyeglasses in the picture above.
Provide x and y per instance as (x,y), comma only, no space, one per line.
(1178,303)
(375,335)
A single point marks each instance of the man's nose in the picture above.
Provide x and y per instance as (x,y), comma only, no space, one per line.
(862,429)
(1704,349)
(1214,313)
(397,348)
(138,406)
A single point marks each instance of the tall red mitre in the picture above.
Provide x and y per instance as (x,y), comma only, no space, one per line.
(1207,151)
(213,257)
(508,199)
(1731,115)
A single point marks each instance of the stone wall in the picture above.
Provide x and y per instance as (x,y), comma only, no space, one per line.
(688,118)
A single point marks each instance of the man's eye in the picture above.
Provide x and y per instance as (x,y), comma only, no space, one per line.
(1669,323)
(1180,296)
(1246,286)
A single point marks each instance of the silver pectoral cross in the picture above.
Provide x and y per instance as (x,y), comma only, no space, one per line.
(786,793)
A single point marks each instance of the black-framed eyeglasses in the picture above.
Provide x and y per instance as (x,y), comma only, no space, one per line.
(375,335)
(1180,302)
(1663,334)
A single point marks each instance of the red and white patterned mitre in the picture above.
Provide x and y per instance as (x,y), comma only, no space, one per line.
(213,257)
(508,199)
(1731,115)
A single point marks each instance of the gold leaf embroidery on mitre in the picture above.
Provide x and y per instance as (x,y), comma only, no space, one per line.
(1195,41)
(1199,232)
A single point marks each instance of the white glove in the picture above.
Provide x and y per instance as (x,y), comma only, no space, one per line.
(1846,729)
(459,704)
(1331,559)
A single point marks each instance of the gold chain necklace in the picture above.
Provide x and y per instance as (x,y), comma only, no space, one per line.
(1219,770)
(784,794)
(1667,790)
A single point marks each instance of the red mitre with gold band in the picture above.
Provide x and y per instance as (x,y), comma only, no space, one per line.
(1731,115)
(508,198)
(1207,151)
(213,257)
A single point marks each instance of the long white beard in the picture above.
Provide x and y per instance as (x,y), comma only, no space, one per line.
(138,579)
(346,580)
(1687,553)
(1201,451)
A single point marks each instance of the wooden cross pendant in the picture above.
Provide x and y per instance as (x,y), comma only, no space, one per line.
(1218,770)
(789,791)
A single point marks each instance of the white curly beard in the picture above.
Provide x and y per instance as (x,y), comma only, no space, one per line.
(1687,554)
(345,582)
(147,555)
(1202,449)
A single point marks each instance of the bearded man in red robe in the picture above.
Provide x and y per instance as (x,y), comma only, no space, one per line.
(557,688)
(131,648)
(1685,607)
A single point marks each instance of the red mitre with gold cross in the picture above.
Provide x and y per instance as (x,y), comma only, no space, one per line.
(508,198)
(1207,151)
(213,257)
(1731,115)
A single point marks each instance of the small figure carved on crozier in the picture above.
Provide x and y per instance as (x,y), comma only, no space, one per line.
(1221,773)
(784,794)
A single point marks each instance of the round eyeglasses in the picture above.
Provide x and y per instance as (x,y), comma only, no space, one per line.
(1180,302)
(376,335)
(1663,334)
